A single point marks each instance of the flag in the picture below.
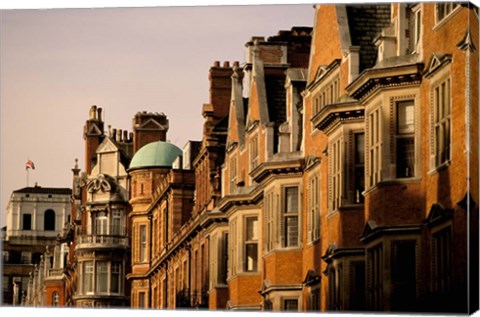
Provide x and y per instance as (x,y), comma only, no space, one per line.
(30,164)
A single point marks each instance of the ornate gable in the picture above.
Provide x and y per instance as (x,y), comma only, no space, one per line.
(94,130)
(438,214)
(107,146)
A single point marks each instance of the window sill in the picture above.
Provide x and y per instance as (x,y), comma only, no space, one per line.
(397,181)
(313,242)
(280,250)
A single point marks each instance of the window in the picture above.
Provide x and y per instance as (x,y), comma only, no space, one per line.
(49,220)
(290,216)
(5,283)
(357,288)
(269,221)
(359,168)
(233,173)
(254,152)
(442,260)
(88,277)
(335,288)
(444,9)
(143,243)
(314,300)
(26,257)
(290,304)
(251,244)
(327,95)
(5,256)
(375,147)
(115,281)
(141,299)
(102,276)
(336,167)
(441,122)
(117,228)
(27,222)
(101,223)
(314,208)
(55,299)
(233,248)
(375,277)
(405,139)
(403,275)
(223,259)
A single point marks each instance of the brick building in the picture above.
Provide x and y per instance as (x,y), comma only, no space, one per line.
(338,170)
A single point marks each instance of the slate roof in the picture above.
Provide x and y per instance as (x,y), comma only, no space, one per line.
(44,190)
(365,23)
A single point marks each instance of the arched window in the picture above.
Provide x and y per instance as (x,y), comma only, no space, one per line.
(49,220)
(55,298)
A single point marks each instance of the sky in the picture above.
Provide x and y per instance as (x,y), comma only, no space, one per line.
(56,63)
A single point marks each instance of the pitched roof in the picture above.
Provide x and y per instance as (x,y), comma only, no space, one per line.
(365,23)
(44,190)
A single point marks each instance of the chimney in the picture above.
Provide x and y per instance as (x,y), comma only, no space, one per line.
(125,136)
(119,135)
(220,89)
(114,134)
(93,135)
(148,127)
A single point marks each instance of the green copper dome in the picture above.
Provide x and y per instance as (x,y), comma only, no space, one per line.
(155,154)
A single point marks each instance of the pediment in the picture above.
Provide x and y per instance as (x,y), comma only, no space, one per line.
(437,61)
(152,124)
(467,42)
(321,70)
(311,161)
(369,228)
(467,202)
(107,146)
(438,214)
(265,285)
(311,278)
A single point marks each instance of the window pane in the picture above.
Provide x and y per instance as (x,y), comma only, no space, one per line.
(359,148)
(252,257)
(88,277)
(252,229)
(290,305)
(291,234)
(115,284)
(405,117)
(27,222)
(291,199)
(143,242)
(405,157)
(102,276)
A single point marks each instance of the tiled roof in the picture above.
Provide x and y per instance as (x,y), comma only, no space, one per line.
(44,190)
(365,23)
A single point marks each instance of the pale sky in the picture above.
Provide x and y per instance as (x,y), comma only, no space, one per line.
(56,63)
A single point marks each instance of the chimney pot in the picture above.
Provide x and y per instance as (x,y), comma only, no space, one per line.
(93,112)
(226,64)
(236,64)
(119,135)
(99,111)
(125,135)
(114,134)
(216,64)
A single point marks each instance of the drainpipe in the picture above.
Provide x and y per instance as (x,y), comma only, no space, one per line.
(149,216)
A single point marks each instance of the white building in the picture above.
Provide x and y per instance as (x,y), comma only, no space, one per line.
(37,211)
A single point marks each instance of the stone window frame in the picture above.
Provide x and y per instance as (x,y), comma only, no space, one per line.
(374,146)
(269,221)
(394,136)
(451,7)
(314,207)
(254,150)
(327,92)
(353,166)
(283,214)
(435,232)
(247,242)
(218,259)
(440,77)
(142,243)
(336,150)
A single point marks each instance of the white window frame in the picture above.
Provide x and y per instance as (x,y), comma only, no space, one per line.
(251,242)
(142,242)
(336,170)
(399,135)
(440,123)
(286,214)
(374,141)
(314,199)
